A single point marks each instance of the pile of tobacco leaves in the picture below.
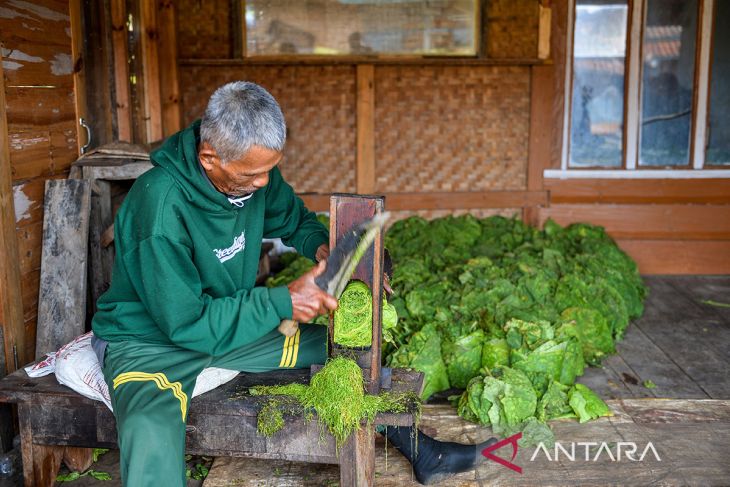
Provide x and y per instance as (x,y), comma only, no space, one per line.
(509,313)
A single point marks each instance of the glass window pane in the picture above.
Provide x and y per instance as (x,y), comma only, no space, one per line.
(668,55)
(597,107)
(718,127)
(358,27)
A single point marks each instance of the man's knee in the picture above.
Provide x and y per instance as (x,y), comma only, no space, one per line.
(146,427)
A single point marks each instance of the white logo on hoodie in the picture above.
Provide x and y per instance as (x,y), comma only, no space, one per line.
(239,243)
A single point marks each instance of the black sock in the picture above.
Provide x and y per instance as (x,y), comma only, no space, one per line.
(434,460)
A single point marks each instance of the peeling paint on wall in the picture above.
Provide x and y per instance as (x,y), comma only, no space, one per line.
(62,64)
(20,56)
(6,13)
(22,203)
(11,65)
(39,11)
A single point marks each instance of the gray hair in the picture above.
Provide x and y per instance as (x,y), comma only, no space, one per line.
(240,115)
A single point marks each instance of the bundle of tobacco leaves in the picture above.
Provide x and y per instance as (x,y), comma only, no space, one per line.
(511,313)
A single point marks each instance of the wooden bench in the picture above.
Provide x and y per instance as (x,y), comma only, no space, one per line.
(58,424)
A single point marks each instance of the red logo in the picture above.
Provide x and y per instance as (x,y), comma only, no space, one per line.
(487,452)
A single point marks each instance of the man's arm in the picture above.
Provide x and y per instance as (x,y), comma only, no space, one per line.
(168,284)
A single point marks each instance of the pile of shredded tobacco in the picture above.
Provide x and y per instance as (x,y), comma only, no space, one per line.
(337,395)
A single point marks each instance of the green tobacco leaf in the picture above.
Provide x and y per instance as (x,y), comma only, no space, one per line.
(586,404)
(69,477)
(100,475)
(716,303)
(98,452)
(463,358)
(554,403)
(423,353)
(495,353)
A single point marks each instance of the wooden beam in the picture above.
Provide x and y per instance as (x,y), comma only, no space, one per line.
(543,35)
(11,303)
(62,297)
(679,256)
(149,38)
(304,60)
(79,71)
(637,191)
(365,128)
(561,49)
(444,200)
(169,79)
(121,69)
(658,222)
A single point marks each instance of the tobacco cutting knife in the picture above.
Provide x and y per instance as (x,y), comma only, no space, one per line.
(342,262)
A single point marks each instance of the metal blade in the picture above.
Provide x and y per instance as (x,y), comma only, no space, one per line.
(343,259)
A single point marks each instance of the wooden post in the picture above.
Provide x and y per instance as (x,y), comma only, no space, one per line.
(169,81)
(538,157)
(11,303)
(79,73)
(149,38)
(357,459)
(101,256)
(365,128)
(121,69)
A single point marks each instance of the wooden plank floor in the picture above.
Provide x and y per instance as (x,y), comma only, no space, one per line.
(690,438)
(681,344)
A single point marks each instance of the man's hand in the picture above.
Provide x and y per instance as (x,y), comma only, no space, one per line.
(307,299)
(323,251)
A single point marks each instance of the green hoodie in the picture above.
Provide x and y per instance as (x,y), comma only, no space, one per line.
(186,258)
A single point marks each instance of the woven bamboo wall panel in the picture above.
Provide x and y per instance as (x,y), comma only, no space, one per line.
(512,29)
(451,128)
(204,29)
(319,105)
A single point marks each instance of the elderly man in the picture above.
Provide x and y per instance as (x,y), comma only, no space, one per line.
(182,298)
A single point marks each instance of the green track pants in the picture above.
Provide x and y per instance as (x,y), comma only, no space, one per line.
(151,386)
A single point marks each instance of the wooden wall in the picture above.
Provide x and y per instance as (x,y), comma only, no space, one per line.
(431,136)
(39,121)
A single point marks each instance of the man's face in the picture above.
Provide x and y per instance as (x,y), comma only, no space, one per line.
(239,177)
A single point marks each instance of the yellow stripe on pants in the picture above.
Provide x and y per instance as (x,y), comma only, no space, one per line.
(296,350)
(285,350)
(290,350)
(162,383)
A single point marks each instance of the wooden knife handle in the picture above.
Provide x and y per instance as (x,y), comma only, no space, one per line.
(288,327)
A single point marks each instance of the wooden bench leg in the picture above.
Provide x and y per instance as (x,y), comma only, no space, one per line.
(41,462)
(46,462)
(357,459)
(78,459)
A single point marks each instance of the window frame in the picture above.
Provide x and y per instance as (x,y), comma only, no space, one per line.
(241,41)
(630,167)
